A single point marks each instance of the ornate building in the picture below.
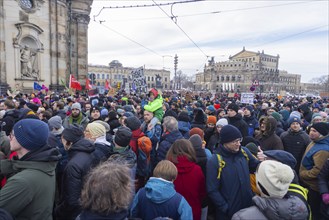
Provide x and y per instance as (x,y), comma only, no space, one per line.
(243,70)
(115,73)
(42,41)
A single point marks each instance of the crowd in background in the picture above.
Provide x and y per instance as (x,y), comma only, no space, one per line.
(167,155)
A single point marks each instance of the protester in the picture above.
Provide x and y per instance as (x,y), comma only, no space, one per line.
(30,193)
(267,136)
(77,117)
(236,120)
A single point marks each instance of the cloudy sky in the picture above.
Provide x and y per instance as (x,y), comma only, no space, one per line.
(296,30)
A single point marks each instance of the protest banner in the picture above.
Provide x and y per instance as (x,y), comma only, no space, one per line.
(247,98)
(139,81)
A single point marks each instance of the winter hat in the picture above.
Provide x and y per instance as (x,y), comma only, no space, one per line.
(104,112)
(252,148)
(222,122)
(294,119)
(282,156)
(211,108)
(154,91)
(296,114)
(32,134)
(276,115)
(316,116)
(106,125)
(211,119)
(94,108)
(128,108)
(250,108)
(32,106)
(229,133)
(234,107)
(76,105)
(196,141)
(273,178)
(322,128)
(128,114)
(183,116)
(217,106)
(55,122)
(167,105)
(96,130)
(197,131)
(133,123)
(120,111)
(73,133)
(122,136)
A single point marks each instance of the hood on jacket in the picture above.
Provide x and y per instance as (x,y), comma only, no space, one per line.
(172,136)
(184,126)
(83,145)
(184,165)
(159,190)
(270,124)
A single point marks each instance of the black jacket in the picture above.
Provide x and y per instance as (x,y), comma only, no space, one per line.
(165,143)
(238,122)
(324,178)
(77,167)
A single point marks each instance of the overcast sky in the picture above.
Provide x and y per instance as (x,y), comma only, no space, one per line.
(296,30)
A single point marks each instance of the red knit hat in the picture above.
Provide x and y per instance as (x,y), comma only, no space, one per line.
(197,131)
(154,91)
(217,106)
(211,119)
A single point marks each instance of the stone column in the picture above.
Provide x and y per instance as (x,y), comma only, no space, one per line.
(3,79)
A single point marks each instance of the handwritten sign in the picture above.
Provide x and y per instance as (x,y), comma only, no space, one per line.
(139,81)
(247,98)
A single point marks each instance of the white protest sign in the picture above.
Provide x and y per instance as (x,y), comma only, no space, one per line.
(139,81)
(247,98)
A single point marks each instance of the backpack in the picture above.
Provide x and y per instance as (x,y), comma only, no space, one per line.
(222,163)
(144,147)
(300,192)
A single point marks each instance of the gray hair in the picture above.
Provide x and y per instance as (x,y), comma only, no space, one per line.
(170,123)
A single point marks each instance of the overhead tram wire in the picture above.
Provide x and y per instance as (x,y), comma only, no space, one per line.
(122,35)
(182,29)
(143,6)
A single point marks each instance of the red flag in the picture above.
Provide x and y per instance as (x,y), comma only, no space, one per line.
(74,84)
(106,85)
(88,85)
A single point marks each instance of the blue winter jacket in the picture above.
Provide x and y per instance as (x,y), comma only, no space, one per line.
(252,124)
(159,191)
(184,128)
(165,143)
(232,191)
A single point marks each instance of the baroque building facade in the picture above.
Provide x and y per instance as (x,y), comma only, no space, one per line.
(116,74)
(245,69)
(43,41)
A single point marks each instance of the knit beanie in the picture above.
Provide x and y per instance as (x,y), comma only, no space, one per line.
(276,115)
(73,133)
(217,106)
(94,108)
(294,119)
(104,112)
(76,105)
(183,116)
(234,107)
(222,122)
(322,128)
(295,113)
(122,136)
(250,108)
(211,119)
(274,177)
(252,147)
(32,134)
(197,131)
(55,122)
(211,108)
(128,114)
(316,116)
(196,141)
(128,108)
(229,133)
(106,125)
(96,130)
(133,123)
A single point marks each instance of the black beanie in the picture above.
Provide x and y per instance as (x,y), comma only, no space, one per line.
(133,123)
(229,133)
(321,127)
(73,133)
(183,116)
(234,107)
(122,136)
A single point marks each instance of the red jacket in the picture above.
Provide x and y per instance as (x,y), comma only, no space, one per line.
(133,142)
(191,184)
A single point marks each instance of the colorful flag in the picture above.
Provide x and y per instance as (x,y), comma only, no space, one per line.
(45,88)
(74,84)
(88,85)
(107,85)
(37,86)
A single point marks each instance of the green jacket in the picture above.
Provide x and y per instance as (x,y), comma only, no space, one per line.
(30,193)
(156,107)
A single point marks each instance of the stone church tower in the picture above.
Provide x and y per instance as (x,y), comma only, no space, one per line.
(43,41)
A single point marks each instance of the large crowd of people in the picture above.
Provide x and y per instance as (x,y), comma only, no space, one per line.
(171,155)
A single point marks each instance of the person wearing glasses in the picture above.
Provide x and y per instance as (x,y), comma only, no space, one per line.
(227,178)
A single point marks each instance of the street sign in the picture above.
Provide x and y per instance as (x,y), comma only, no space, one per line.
(255,82)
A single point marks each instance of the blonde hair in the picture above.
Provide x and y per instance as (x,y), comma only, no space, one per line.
(108,188)
(165,170)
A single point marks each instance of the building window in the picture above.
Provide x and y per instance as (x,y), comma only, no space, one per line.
(103,76)
(227,78)
(97,75)
(148,79)
(148,85)
(165,86)
(165,79)
(152,80)
(107,76)
(222,78)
